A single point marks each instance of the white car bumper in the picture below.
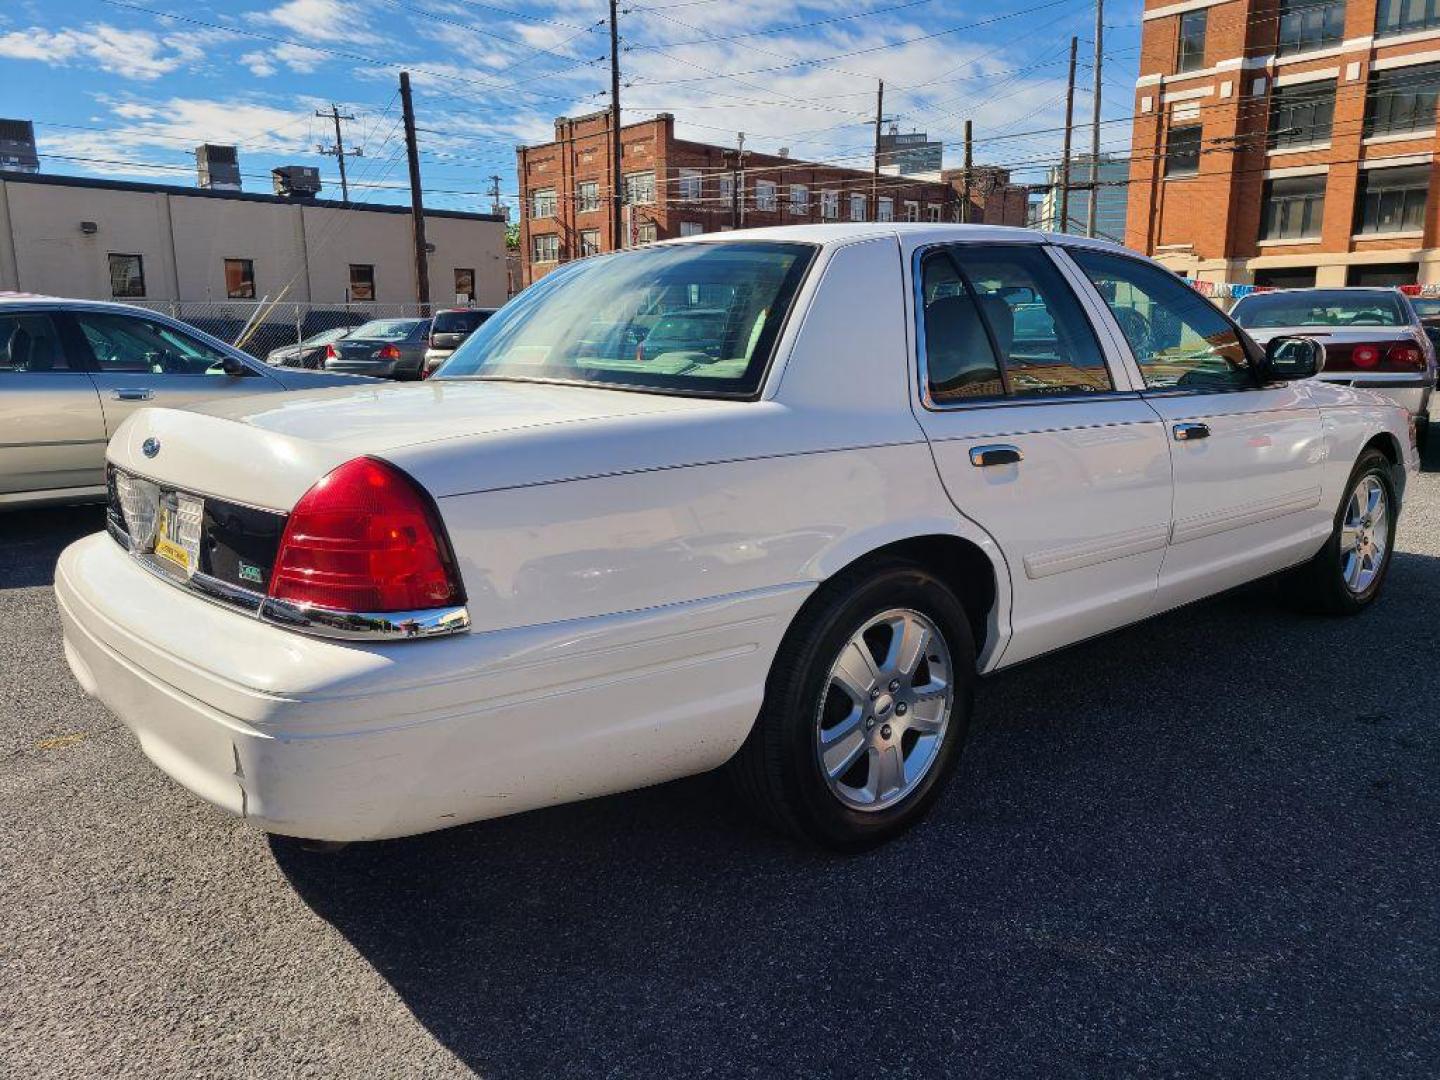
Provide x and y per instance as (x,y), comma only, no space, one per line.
(341,741)
(1410,392)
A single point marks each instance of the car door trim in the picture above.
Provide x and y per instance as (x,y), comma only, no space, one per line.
(1043,564)
(1241,515)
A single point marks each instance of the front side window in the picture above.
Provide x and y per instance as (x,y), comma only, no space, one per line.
(1191,53)
(640,188)
(1294,207)
(30,343)
(682,318)
(1402,99)
(1308,24)
(1002,321)
(127,276)
(545,248)
(362,281)
(1392,200)
(542,203)
(857,207)
(1301,114)
(1404,16)
(1179,339)
(1182,151)
(764,194)
(464,285)
(122,343)
(587,196)
(240,279)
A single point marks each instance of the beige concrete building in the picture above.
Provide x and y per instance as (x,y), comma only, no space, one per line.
(106,239)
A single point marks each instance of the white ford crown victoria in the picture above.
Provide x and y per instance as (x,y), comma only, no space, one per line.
(773,498)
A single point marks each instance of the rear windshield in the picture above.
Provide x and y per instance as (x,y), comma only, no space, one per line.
(457,322)
(385,329)
(684,318)
(1319,308)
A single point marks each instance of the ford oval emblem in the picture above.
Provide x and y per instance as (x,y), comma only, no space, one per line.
(150,447)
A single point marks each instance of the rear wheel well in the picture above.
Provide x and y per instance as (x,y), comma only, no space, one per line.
(961,564)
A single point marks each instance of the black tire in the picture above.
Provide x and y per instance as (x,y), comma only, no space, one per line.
(777,771)
(1319,585)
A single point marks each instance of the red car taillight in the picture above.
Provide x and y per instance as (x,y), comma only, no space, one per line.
(1365,356)
(389,352)
(330,353)
(1405,355)
(365,538)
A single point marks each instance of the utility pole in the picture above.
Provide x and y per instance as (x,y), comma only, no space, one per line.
(875,174)
(338,151)
(1092,210)
(417,204)
(740,179)
(965,194)
(616,191)
(1065,153)
(496,206)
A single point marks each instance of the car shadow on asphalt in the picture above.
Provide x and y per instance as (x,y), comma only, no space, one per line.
(31,541)
(1197,845)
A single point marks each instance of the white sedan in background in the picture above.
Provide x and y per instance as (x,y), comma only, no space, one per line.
(566,567)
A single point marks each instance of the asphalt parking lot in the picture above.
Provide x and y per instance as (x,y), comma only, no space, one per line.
(1206,846)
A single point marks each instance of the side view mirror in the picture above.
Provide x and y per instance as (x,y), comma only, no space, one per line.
(234,368)
(1290,358)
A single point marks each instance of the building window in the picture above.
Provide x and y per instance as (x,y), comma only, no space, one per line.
(542,203)
(645,232)
(1402,99)
(912,210)
(1294,207)
(1191,54)
(127,276)
(1402,16)
(362,281)
(830,205)
(1300,115)
(464,285)
(545,248)
(1305,24)
(240,279)
(799,199)
(690,184)
(691,228)
(640,188)
(1383,275)
(587,196)
(727,189)
(765,195)
(589,242)
(932,213)
(885,208)
(1182,151)
(858,206)
(1392,200)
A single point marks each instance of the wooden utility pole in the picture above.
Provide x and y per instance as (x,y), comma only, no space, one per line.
(616,177)
(1092,210)
(1065,152)
(875,175)
(965,193)
(417,202)
(740,178)
(338,151)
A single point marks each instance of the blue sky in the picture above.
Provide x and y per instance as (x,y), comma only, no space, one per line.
(127,88)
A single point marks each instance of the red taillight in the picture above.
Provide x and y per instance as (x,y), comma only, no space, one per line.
(389,352)
(1365,355)
(365,539)
(1405,355)
(330,353)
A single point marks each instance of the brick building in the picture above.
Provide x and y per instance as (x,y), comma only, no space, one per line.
(673,187)
(1288,142)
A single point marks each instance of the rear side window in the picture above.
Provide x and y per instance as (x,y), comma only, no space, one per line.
(30,343)
(1001,321)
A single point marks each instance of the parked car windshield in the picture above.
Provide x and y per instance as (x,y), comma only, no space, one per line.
(1319,308)
(385,329)
(683,318)
(457,322)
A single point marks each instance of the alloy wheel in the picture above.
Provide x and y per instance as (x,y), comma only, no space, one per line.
(1364,534)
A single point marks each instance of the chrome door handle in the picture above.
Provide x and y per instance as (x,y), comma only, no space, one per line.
(1191,432)
(995,454)
(132,394)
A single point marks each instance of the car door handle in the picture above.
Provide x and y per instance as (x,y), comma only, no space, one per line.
(132,393)
(995,454)
(1191,432)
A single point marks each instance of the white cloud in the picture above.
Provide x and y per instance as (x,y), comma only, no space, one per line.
(259,64)
(321,20)
(299,58)
(132,54)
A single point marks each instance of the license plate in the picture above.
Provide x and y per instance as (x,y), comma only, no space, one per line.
(177,531)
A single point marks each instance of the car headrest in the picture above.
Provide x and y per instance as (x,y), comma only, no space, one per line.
(18,349)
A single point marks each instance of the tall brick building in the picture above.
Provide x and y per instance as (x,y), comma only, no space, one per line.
(1288,142)
(674,187)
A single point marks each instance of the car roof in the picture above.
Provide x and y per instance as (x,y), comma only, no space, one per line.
(908,232)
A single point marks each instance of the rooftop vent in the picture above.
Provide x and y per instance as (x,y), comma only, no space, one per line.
(296,181)
(219,167)
(17,146)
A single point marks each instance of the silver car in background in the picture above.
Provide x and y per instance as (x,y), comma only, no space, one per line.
(72,370)
(448,329)
(383,348)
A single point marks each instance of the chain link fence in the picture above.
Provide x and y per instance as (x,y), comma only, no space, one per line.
(262,328)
